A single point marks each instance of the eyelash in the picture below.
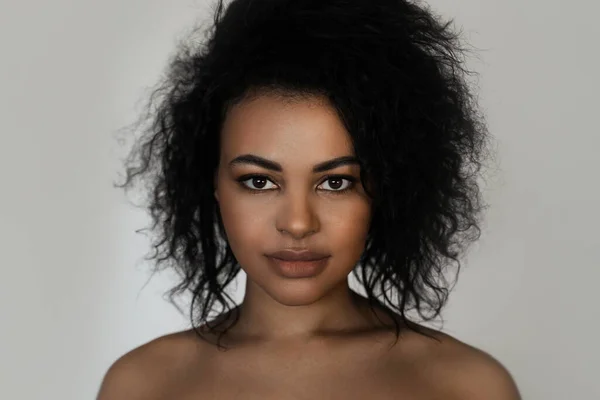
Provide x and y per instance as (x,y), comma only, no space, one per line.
(349,178)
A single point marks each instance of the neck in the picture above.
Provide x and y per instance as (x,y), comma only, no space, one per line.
(340,312)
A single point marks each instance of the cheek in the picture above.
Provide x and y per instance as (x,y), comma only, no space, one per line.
(246,220)
(348,228)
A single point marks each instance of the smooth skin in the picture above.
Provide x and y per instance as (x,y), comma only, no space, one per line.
(309,338)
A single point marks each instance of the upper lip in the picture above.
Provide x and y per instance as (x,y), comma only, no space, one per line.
(295,255)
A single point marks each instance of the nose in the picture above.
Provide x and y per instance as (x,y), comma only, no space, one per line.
(297,216)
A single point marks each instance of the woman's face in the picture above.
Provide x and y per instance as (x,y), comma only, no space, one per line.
(290,206)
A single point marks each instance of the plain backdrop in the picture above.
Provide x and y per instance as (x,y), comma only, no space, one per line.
(74,290)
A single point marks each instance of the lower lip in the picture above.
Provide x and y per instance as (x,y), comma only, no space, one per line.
(299,269)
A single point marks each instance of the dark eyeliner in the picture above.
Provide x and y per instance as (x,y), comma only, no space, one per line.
(349,178)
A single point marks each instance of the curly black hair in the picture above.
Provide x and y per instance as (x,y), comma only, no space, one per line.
(395,74)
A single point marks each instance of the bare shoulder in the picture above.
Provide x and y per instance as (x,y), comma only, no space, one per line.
(152,370)
(458,370)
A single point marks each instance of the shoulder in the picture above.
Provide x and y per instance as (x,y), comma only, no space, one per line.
(458,370)
(148,371)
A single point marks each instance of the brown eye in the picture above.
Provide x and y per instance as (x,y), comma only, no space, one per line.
(336,184)
(257,182)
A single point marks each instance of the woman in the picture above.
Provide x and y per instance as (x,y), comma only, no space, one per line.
(307,140)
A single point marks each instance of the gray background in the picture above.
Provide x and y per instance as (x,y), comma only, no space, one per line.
(72,289)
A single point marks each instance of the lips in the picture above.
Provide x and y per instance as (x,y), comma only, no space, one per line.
(304,255)
(298,265)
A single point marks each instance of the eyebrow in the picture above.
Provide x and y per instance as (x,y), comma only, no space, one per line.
(274,166)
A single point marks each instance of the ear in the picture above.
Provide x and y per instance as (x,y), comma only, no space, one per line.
(215,179)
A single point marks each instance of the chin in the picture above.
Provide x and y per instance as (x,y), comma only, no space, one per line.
(297,292)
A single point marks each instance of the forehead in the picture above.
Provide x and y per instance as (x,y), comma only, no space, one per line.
(301,130)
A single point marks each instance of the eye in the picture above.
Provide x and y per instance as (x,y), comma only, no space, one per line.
(338,183)
(260,183)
